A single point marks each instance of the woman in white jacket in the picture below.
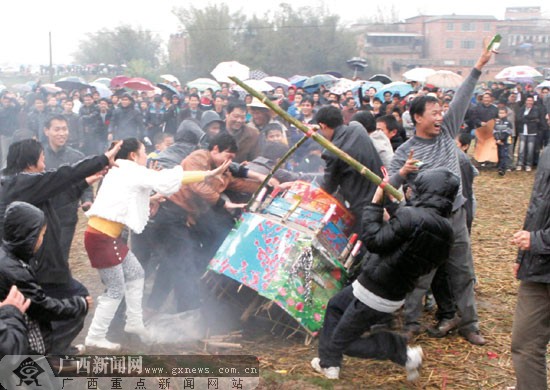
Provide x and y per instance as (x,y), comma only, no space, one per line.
(123,201)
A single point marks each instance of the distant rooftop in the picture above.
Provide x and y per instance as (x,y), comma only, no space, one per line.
(460,17)
(392,34)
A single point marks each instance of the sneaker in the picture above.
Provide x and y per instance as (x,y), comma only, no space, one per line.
(414,362)
(101,343)
(329,372)
(527,169)
(518,168)
(501,173)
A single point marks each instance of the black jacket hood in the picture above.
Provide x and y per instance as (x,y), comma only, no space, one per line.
(189,132)
(209,117)
(436,188)
(22,225)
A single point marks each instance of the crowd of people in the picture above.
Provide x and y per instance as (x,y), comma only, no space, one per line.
(162,180)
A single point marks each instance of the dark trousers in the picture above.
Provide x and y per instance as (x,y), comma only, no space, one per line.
(452,283)
(531,335)
(502,151)
(346,319)
(64,332)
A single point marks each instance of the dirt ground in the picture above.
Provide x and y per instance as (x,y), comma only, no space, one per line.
(450,363)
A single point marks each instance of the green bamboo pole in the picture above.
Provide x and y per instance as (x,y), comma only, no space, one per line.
(363,170)
(281,161)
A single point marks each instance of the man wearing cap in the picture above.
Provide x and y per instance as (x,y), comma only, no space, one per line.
(261,118)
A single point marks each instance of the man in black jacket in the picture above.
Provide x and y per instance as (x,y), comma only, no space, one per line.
(25,179)
(13,330)
(126,121)
(416,240)
(531,328)
(354,140)
(24,229)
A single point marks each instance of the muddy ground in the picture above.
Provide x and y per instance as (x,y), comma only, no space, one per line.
(450,363)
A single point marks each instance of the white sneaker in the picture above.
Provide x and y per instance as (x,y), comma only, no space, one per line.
(414,362)
(518,168)
(329,372)
(101,343)
(527,169)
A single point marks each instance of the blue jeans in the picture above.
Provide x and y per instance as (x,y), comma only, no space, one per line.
(346,319)
(526,154)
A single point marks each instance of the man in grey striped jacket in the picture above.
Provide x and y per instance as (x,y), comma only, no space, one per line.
(434,146)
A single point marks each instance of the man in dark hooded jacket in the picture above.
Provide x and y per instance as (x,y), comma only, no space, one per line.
(24,229)
(416,240)
(14,339)
(126,121)
(531,328)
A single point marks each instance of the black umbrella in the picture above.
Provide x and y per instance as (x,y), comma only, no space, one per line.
(72,82)
(358,64)
(334,73)
(168,88)
(384,79)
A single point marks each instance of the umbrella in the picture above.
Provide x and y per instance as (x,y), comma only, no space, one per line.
(396,87)
(139,84)
(22,88)
(341,86)
(258,85)
(168,88)
(276,81)
(103,80)
(545,83)
(202,83)
(72,82)
(383,78)
(50,88)
(170,78)
(118,81)
(418,74)
(518,73)
(368,84)
(358,64)
(257,74)
(316,81)
(297,80)
(223,70)
(445,79)
(103,90)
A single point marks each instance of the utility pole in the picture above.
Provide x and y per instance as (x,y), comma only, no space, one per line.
(51,61)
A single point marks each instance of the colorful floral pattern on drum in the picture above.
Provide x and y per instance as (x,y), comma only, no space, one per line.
(262,252)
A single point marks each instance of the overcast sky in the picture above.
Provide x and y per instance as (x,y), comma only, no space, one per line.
(25,24)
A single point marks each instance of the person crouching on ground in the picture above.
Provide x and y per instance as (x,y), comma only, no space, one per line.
(413,242)
(24,229)
(123,200)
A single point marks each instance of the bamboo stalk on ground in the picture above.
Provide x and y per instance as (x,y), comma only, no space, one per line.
(363,170)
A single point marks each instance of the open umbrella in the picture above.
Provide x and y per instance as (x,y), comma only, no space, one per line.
(103,90)
(170,78)
(138,84)
(545,83)
(445,79)
(50,88)
(223,70)
(518,73)
(341,86)
(418,74)
(368,84)
(258,85)
(202,83)
(168,88)
(103,80)
(257,74)
(22,88)
(396,87)
(118,81)
(383,78)
(358,64)
(71,82)
(317,80)
(276,81)
(297,80)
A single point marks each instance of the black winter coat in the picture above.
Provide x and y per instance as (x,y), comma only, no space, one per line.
(414,241)
(23,223)
(126,122)
(535,263)
(356,189)
(13,332)
(38,189)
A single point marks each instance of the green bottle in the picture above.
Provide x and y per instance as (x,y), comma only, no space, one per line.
(495,43)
